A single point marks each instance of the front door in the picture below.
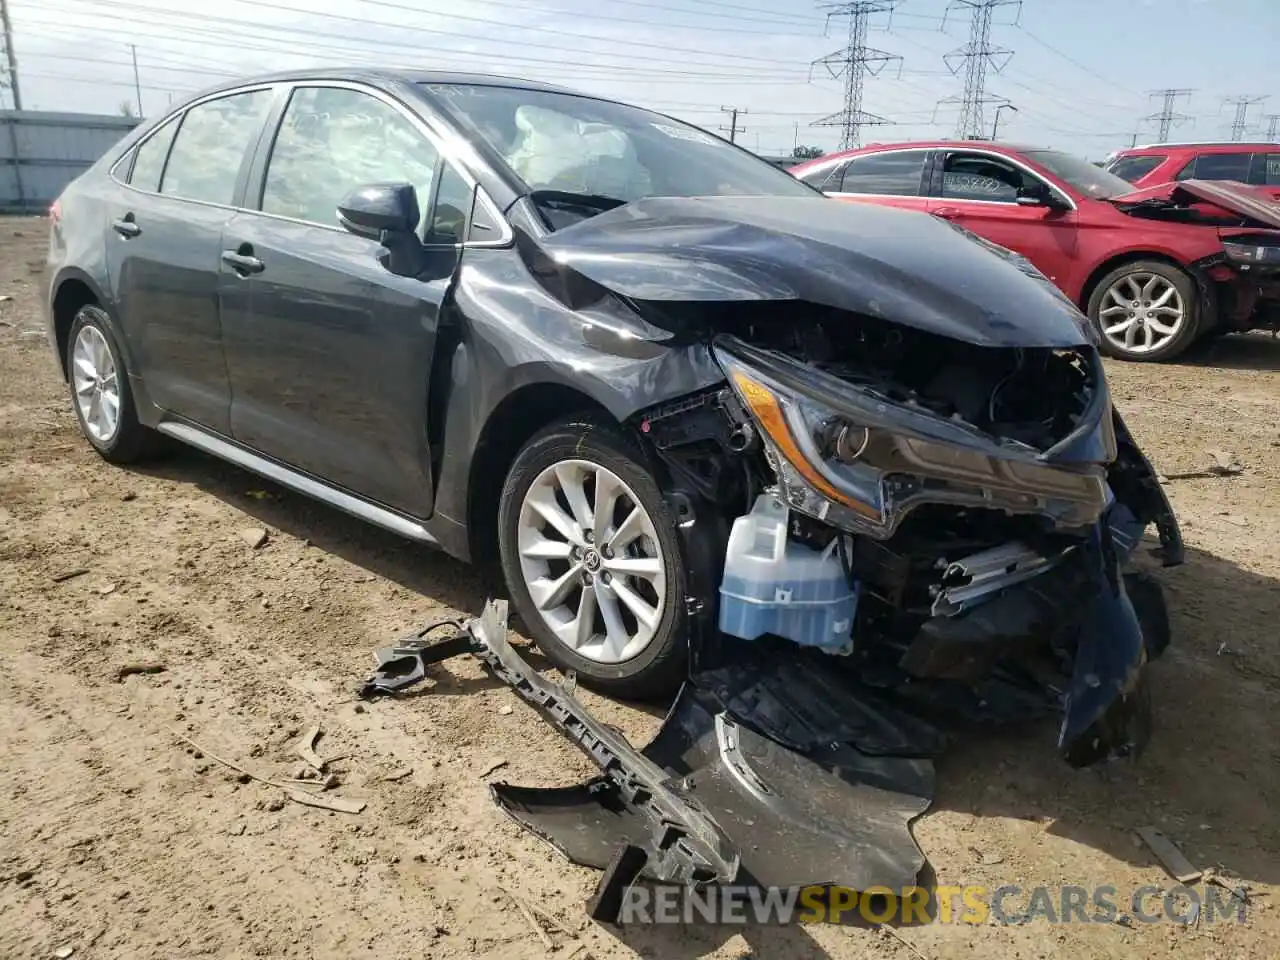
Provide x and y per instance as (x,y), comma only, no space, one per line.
(164,238)
(329,354)
(979,191)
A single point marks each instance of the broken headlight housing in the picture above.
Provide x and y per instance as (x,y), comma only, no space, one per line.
(859,461)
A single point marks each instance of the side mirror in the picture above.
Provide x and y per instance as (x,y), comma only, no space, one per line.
(376,210)
(389,214)
(1039,196)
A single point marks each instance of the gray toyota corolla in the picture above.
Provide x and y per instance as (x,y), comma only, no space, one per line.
(690,404)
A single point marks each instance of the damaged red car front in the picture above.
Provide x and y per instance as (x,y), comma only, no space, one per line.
(1240,270)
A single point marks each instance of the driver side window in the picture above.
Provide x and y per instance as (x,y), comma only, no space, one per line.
(977,176)
(332,140)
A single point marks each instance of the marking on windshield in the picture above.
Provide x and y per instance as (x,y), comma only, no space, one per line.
(683,133)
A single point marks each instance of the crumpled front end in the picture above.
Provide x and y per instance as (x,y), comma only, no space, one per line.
(943,515)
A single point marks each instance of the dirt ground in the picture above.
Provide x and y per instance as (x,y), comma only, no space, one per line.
(118,839)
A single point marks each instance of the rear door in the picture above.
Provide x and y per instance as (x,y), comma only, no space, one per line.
(1265,173)
(164,239)
(891,177)
(979,191)
(329,354)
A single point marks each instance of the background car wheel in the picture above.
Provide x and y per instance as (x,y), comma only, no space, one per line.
(1145,310)
(100,393)
(593,561)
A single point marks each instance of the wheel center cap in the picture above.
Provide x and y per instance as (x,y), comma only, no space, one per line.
(591,561)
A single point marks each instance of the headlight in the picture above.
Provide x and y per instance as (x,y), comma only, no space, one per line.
(1252,253)
(817,454)
(859,463)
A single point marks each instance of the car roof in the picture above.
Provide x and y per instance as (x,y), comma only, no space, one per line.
(393,75)
(991,146)
(1207,146)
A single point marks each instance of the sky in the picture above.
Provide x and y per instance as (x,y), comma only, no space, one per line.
(1079,72)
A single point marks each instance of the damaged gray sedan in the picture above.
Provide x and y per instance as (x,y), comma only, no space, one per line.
(835,476)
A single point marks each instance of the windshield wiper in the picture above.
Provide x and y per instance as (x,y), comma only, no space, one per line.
(593,202)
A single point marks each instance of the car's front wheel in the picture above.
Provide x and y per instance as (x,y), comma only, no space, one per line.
(1146,310)
(593,561)
(100,392)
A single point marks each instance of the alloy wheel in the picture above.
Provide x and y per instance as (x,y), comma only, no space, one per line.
(591,561)
(94,375)
(1141,312)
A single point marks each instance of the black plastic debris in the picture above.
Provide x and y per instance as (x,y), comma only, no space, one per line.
(764,772)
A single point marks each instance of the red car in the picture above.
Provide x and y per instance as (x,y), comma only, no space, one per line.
(1155,270)
(1257,164)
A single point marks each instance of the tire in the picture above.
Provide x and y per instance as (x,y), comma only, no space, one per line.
(1131,280)
(126,440)
(603,652)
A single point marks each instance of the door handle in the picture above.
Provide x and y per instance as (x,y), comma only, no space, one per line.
(947,213)
(126,226)
(242,263)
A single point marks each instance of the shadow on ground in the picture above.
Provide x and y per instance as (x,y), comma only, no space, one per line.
(1214,758)
(1244,351)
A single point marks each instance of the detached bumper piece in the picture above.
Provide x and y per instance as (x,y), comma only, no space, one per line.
(763,773)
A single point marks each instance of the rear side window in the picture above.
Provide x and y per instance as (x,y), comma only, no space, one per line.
(148,162)
(891,174)
(332,140)
(1266,169)
(211,145)
(1134,169)
(1218,166)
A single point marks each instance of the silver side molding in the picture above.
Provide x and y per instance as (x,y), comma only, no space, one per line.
(309,486)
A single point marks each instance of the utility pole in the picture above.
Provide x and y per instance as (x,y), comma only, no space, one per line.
(995,124)
(855,61)
(733,129)
(1273,120)
(1168,117)
(11,58)
(137,86)
(977,55)
(1242,105)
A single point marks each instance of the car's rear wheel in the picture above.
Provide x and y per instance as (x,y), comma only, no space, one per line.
(100,393)
(593,561)
(1145,311)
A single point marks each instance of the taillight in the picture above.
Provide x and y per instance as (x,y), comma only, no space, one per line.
(55,212)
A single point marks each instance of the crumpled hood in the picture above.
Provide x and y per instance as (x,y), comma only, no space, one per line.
(899,265)
(1237,198)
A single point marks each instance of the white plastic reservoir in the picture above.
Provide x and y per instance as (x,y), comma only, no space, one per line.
(776,586)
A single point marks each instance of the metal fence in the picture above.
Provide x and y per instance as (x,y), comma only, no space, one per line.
(41,152)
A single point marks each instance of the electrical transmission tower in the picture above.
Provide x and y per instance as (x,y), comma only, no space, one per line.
(855,62)
(1168,117)
(1242,105)
(10,65)
(977,55)
(1273,121)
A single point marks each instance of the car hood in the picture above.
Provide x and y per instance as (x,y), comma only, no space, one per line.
(1234,197)
(901,266)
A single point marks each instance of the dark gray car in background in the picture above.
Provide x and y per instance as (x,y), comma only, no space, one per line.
(581,337)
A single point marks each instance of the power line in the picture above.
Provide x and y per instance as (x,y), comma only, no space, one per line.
(290,43)
(1168,117)
(978,54)
(733,129)
(855,62)
(1242,105)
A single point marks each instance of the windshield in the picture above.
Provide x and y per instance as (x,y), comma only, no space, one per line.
(578,145)
(1090,180)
